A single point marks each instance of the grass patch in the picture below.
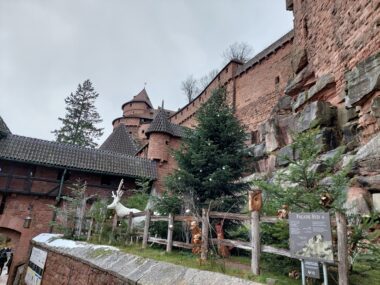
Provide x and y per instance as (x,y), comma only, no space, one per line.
(238,266)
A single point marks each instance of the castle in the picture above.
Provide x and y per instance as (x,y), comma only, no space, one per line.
(325,72)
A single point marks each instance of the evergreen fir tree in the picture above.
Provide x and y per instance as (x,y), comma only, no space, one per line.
(210,160)
(81,117)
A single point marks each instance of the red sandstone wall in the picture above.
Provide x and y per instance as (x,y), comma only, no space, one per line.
(158,146)
(259,88)
(136,108)
(186,116)
(11,221)
(337,35)
(16,204)
(61,269)
(253,93)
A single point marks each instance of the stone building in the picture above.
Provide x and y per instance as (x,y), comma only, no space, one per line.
(35,174)
(325,72)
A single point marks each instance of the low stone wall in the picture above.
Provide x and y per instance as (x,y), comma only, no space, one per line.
(77,263)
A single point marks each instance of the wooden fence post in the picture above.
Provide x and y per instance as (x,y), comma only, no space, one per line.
(89,232)
(205,229)
(114,225)
(130,218)
(146,229)
(255,242)
(341,229)
(169,241)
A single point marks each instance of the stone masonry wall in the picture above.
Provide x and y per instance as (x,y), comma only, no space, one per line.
(336,35)
(79,263)
(260,87)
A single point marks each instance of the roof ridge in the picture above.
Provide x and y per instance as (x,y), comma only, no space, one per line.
(68,145)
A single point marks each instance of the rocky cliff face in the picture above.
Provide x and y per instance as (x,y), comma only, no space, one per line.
(354,125)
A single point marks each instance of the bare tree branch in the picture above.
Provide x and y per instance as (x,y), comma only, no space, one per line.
(190,87)
(238,51)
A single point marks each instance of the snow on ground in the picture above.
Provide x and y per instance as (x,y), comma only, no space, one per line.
(56,240)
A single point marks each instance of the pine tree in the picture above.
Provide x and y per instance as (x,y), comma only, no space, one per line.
(81,117)
(210,160)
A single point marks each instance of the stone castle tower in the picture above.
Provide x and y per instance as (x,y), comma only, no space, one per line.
(145,132)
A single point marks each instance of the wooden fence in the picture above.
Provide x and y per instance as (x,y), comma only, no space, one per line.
(254,245)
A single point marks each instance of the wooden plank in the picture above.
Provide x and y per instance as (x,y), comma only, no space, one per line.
(175,243)
(140,214)
(157,240)
(229,216)
(341,223)
(169,244)
(274,250)
(205,229)
(159,218)
(181,218)
(146,229)
(271,220)
(255,243)
(182,244)
(234,243)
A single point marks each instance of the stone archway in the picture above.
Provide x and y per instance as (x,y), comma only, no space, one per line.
(14,238)
(12,227)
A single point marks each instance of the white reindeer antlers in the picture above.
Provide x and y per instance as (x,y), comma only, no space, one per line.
(119,192)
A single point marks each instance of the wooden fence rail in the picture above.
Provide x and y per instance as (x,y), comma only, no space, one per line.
(254,245)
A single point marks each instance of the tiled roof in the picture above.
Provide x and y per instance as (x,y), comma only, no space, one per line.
(4,130)
(141,97)
(161,124)
(54,154)
(120,141)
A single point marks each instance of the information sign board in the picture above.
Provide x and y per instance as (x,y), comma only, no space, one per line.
(36,266)
(310,236)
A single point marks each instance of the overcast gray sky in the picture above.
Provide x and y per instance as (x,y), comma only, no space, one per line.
(47,47)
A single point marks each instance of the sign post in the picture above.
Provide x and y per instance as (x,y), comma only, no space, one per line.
(311,241)
(36,266)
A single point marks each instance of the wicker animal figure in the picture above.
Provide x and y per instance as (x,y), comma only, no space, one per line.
(196,237)
(223,250)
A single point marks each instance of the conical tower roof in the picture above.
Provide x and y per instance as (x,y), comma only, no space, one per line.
(141,97)
(160,123)
(120,141)
(4,130)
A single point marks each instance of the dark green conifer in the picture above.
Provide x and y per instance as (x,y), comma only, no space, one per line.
(210,161)
(79,123)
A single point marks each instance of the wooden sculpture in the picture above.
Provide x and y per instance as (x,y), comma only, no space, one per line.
(255,200)
(196,237)
(223,250)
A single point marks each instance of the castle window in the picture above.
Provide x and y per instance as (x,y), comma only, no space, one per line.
(254,137)
(105,180)
(277,82)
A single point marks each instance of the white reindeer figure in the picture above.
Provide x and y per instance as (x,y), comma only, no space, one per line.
(122,211)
